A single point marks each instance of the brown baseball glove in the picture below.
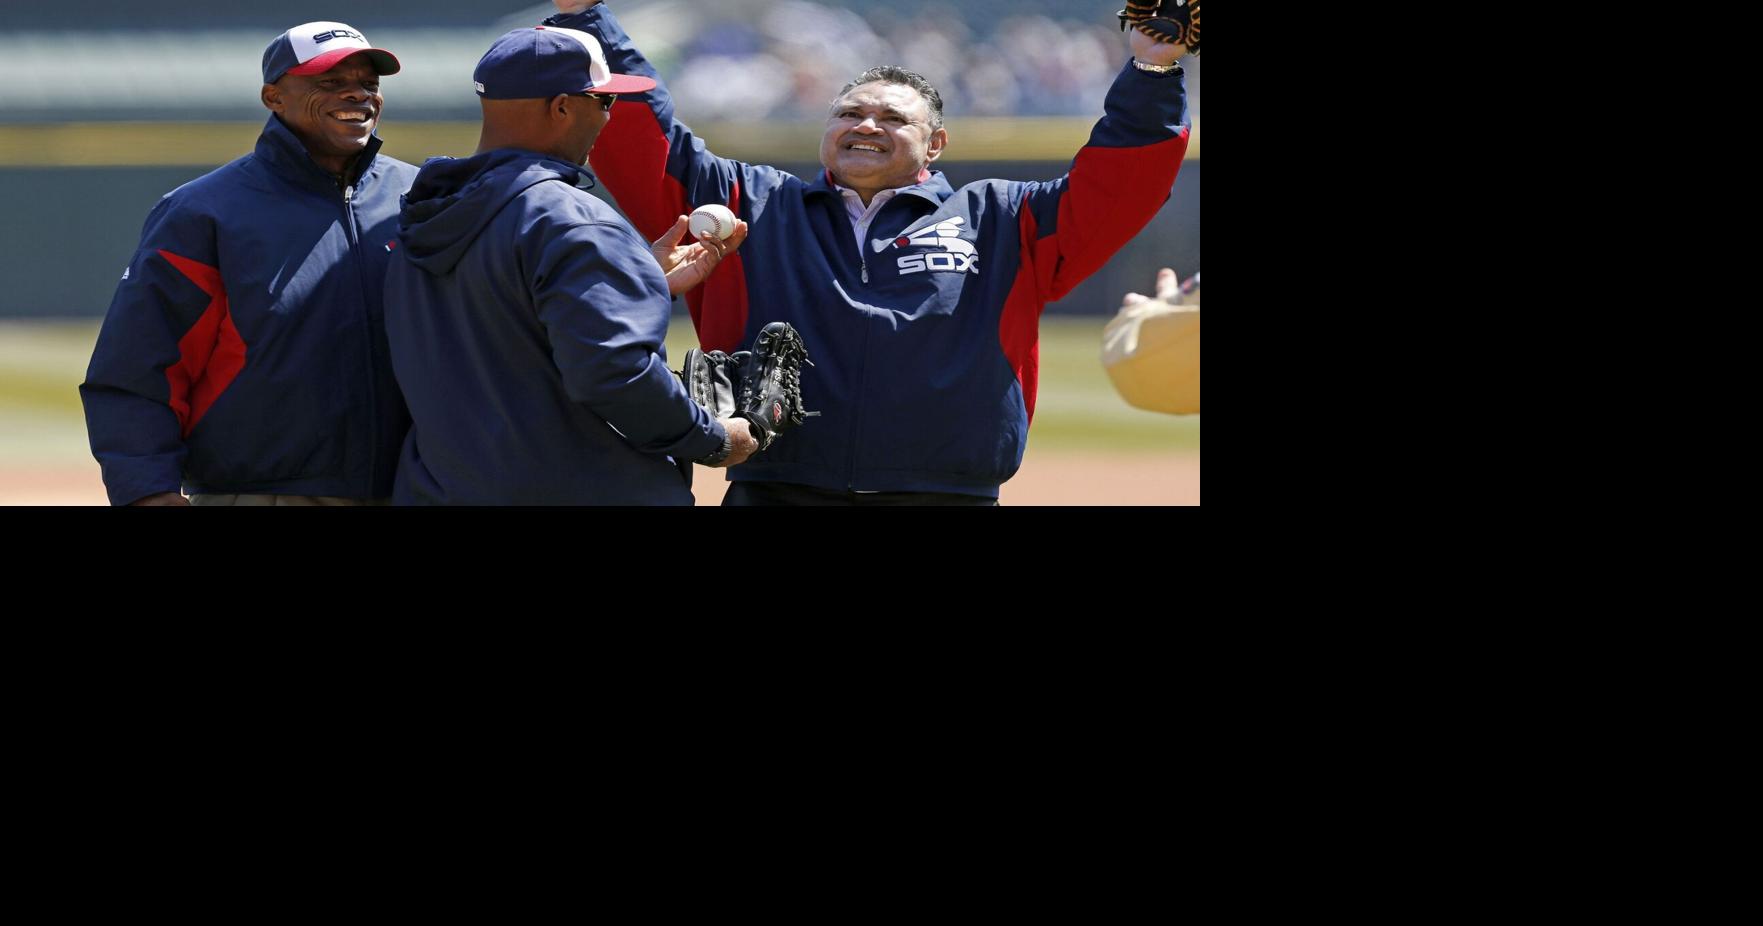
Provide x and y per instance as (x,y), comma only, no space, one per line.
(1173,21)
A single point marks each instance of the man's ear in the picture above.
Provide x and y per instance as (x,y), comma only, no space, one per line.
(938,139)
(272,98)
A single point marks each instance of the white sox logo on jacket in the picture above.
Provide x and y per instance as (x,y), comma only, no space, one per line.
(957,255)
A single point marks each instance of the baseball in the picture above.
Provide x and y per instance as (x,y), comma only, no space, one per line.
(712,221)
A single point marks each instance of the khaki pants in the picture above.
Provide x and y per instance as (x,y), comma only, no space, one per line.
(229,501)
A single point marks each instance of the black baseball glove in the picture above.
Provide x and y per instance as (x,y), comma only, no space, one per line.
(762,385)
(1174,21)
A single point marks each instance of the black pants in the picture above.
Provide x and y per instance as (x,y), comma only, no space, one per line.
(784,493)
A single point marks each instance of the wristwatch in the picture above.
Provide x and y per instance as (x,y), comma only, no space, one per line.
(728,447)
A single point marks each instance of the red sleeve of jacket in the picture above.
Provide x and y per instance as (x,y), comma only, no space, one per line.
(657,170)
(1071,226)
(165,354)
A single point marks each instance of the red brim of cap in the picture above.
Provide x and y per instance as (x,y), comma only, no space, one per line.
(624,83)
(383,61)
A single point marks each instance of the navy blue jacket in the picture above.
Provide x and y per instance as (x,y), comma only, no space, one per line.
(244,351)
(526,323)
(924,338)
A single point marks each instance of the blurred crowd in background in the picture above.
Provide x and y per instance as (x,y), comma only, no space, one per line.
(779,60)
(792,56)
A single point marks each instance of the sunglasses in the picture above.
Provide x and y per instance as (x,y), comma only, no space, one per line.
(605,99)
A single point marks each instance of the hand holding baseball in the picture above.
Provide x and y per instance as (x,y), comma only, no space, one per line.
(690,265)
(712,221)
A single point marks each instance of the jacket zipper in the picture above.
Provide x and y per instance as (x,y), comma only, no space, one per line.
(855,443)
(373,423)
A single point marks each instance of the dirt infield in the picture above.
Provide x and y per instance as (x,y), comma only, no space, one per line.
(1095,478)
(1068,478)
(46,485)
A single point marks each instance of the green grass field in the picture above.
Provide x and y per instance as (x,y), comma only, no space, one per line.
(42,429)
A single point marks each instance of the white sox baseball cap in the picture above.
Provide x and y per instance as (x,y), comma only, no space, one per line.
(314,48)
(543,61)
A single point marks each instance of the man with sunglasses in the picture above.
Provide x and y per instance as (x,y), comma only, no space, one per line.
(921,302)
(526,318)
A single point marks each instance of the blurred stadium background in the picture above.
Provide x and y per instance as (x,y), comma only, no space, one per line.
(107,105)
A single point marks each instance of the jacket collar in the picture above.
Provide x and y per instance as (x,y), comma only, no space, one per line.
(282,149)
(934,189)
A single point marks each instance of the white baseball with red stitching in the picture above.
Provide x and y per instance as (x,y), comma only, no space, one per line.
(712,221)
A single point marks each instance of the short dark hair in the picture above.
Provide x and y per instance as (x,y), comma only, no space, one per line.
(890,74)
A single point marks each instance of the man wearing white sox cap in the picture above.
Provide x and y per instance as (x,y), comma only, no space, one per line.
(243,359)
